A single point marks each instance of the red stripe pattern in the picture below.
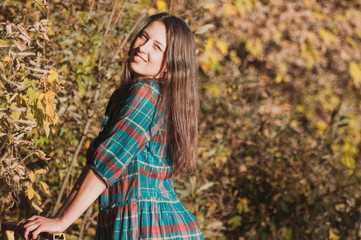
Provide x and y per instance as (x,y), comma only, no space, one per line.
(130,155)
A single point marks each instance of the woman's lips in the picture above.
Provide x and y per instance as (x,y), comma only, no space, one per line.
(138,59)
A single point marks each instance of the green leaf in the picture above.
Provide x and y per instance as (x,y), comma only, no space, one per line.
(205,186)
(235,221)
(31,94)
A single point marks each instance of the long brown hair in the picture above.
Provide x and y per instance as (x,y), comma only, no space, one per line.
(179,90)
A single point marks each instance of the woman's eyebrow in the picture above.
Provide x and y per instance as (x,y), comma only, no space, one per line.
(159,43)
(145,32)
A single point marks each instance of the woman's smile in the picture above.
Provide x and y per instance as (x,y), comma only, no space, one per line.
(138,58)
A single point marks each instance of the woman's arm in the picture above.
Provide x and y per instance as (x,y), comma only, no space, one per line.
(73,192)
(87,189)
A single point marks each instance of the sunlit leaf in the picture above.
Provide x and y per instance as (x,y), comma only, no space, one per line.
(41,155)
(162,6)
(327,36)
(32,176)
(205,186)
(30,192)
(222,46)
(355,72)
(53,76)
(45,187)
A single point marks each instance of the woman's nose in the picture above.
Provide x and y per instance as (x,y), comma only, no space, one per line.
(145,46)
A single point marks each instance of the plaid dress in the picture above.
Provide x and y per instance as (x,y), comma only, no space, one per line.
(130,155)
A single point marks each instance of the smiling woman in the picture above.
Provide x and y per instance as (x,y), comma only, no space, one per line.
(147,53)
(150,128)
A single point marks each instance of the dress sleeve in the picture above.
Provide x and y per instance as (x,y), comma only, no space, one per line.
(129,134)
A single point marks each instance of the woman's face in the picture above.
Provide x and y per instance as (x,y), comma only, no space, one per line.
(148,51)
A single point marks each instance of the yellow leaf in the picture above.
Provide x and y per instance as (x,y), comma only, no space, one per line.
(30,192)
(91,231)
(308,3)
(151,11)
(78,221)
(294,124)
(29,114)
(214,61)
(300,108)
(41,170)
(321,126)
(348,161)
(209,45)
(36,207)
(87,144)
(210,6)
(355,72)
(46,125)
(16,115)
(254,46)
(32,176)
(234,57)
(162,6)
(349,148)
(45,187)
(53,76)
(277,36)
(10,235)
(333,235)
(49,106)
(40,95)
(278,154)
(3,42)
(213,89)
(229,10)
(31,94)
(6,59)
(328,37)
(222,46)
(319,16)
(278,78)
(243,5)
(56,118)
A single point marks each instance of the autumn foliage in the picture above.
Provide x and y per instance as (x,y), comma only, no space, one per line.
(280,117)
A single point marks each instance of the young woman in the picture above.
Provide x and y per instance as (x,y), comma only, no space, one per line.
(150,129)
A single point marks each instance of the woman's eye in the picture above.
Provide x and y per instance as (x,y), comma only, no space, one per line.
(158,48)
(142,35)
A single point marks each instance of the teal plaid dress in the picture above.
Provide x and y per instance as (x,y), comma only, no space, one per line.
(130,155)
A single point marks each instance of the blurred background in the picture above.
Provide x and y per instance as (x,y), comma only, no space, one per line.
(280,114)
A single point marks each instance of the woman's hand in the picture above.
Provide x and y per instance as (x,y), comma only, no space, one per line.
(87,189)
(37,224)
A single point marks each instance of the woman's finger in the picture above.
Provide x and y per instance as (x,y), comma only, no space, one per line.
(29,229)
(33,217)
(36,232)
(19,223)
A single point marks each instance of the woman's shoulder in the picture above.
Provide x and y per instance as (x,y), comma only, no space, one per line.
(147,84)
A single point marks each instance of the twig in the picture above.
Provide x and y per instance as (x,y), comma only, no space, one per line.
(75,156)
(120,12)
(105,35)
(8,81)
(13,97)
(37,70)
(128,36)
(90,11)
(23,160)
(4,156)
(32,123)
(87,215)
(18,109)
